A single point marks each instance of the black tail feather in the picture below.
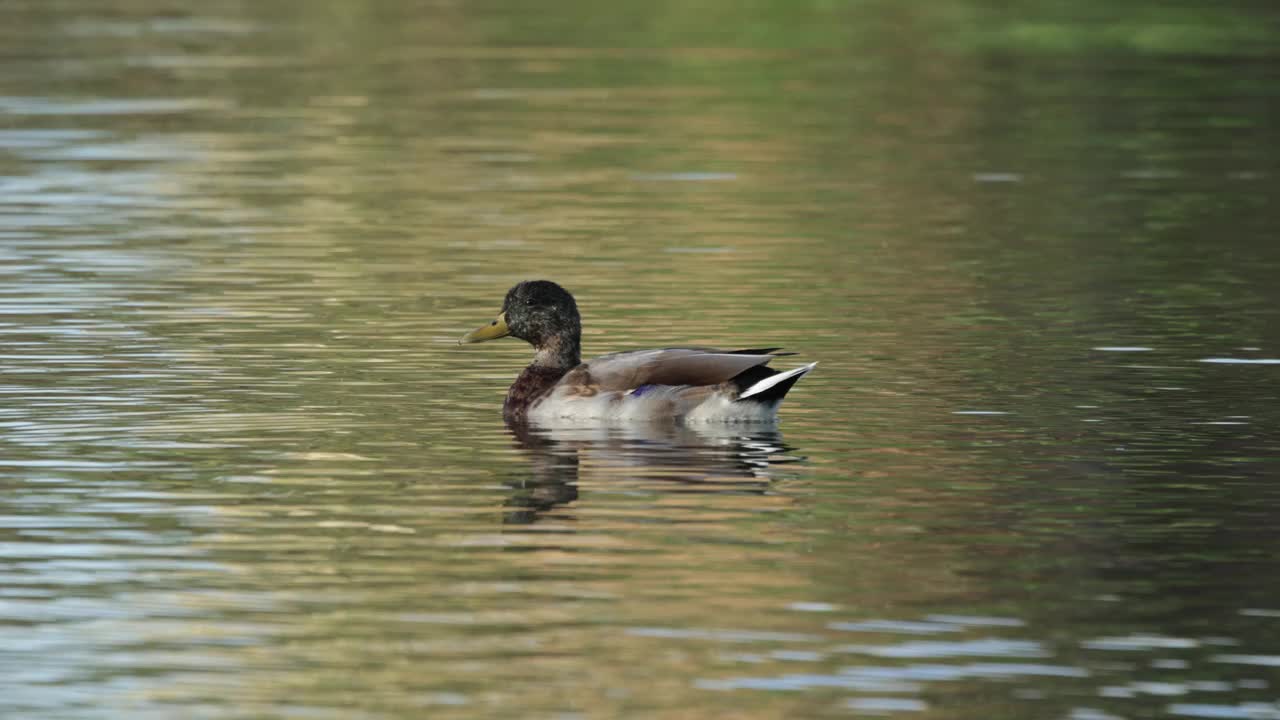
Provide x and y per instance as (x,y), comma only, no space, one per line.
(760,351)
(773,394)
(751,376)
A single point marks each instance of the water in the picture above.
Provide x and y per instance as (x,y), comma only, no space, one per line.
(247,472)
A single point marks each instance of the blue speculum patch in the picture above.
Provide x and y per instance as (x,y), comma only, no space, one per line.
(642,390)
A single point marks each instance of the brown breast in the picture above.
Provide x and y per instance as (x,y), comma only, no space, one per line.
(535,382)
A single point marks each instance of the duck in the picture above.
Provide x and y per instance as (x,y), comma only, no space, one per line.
(689,385)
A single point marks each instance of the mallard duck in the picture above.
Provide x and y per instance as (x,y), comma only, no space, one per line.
(685,384)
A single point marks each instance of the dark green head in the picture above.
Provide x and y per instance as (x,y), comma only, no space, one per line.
(539,310)
(542,314)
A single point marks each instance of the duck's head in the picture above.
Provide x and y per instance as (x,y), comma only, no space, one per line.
(542,314)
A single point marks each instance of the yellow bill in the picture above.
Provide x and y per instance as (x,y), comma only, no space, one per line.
(494,330)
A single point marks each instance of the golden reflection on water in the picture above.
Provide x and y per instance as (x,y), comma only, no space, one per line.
(249,472)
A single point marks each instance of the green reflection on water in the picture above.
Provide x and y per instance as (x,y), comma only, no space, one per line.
(249,471)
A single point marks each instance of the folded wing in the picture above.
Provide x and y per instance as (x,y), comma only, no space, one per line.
(671,366)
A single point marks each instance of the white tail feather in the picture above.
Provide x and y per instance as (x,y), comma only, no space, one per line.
(772,380)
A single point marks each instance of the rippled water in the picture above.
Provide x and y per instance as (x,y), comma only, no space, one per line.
(247,472)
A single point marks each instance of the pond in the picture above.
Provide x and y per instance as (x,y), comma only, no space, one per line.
(247,470)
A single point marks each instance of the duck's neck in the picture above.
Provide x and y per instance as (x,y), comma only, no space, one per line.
(552,359)
(559,352)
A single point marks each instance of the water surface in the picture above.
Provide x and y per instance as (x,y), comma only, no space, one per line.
(247,471)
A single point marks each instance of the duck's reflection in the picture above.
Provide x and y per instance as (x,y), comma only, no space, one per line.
(704,458)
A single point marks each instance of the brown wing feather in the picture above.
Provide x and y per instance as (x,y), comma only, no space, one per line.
(672,366)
